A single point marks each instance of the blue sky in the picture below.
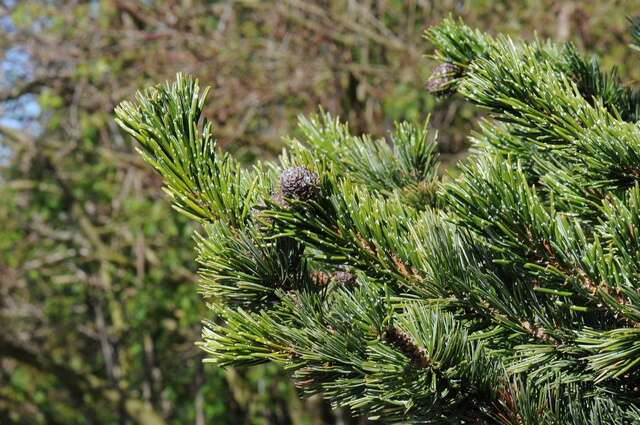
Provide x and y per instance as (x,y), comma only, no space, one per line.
(15,66)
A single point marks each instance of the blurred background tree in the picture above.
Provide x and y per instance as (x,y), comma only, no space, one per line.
(98,308)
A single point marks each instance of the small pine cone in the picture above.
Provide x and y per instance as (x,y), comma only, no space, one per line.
(299,183)
(320,278)
(441,81)
(344,278)
(403,342)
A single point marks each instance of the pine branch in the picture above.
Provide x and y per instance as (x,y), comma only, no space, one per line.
(455,43)
(205,185)
(507,294)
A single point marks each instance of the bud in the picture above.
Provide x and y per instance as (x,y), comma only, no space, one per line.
(442,78)
(299,183)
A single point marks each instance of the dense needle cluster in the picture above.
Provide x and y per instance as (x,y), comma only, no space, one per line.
(504,294)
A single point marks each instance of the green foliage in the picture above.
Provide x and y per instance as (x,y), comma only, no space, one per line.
(96,272)
(505,295)
(204,187)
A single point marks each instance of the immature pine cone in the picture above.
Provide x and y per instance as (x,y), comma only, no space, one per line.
(344,278)
(441,81)
(319,278)
(299,183)
(403,342)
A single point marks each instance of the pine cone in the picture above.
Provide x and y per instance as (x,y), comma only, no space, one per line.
(299,183)
(441,81)
(319,278)
(403,342)
(344,278)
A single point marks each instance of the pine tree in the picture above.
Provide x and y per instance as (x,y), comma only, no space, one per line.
(505,294)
